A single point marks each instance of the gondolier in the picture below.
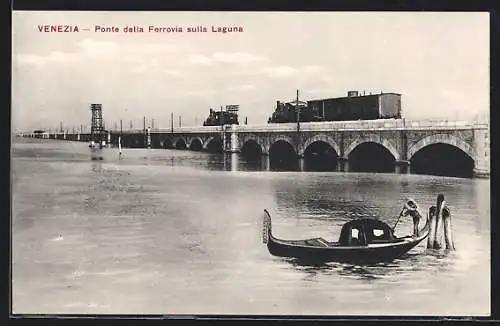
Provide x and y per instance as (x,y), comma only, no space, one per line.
(411,209)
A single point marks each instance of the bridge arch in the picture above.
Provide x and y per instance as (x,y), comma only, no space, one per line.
(179,143)
(278,138)
(246,140)
(324,138)
(441,138)
(195,142)
(373,139)
(167,143)
(282,154)
(214,144)
(209,140)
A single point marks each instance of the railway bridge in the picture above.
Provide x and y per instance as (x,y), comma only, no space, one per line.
(391,145)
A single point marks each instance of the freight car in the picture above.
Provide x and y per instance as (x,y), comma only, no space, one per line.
(218,118)
(352,107)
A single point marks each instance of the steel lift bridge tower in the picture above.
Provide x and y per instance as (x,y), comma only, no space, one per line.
(97,132)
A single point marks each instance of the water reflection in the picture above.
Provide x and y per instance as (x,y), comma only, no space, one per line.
(253,164)
(234,162)
(287,165)
(96,154)
(216,162)
(97,167)
(366,272)
(413,262)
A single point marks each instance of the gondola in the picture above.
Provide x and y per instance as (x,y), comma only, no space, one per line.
(360,241)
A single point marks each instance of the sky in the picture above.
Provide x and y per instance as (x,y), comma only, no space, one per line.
(439,62)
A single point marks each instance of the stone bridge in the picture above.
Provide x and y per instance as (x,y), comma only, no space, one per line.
(403,140)
(403,145)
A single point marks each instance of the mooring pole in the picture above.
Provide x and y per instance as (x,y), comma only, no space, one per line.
(149,138)
(298,112)
(222,130)
(448,232)
(432,227)
(119,147)
(438,238)
(298,122)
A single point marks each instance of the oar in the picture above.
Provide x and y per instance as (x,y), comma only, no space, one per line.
(400,214)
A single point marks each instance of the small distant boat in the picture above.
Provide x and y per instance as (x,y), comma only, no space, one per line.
(360,241)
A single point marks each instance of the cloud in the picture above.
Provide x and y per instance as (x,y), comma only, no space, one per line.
(173,73)
(279,71)
(138,57)
(91,48)
(285,71)
(237,57)
(153,49)
(40,60)
(318,90)
(307,72)
(142,68)
(30,59)
(86,48)
(313,69)
(97,48)
(240,58)
(246,87)
(200,92)
(199,59)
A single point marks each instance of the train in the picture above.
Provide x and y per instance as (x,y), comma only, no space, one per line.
(354,106)
(223,117)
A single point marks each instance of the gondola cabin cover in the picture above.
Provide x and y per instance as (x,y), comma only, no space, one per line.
(365,231)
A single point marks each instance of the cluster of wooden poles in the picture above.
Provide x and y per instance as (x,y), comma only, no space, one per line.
(440,226)
(439,219)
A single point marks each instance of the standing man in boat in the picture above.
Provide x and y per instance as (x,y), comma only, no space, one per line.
(411,208)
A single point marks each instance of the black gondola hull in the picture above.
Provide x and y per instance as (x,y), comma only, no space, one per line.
(341,254)
(319,250)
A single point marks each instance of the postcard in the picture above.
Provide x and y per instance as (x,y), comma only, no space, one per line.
(250,163)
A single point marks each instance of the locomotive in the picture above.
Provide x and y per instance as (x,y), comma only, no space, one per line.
(223,117)
(352,107)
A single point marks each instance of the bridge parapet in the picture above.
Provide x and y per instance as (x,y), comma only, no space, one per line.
(383,124)
(175,130)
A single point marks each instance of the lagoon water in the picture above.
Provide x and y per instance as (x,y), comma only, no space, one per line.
(179,232)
